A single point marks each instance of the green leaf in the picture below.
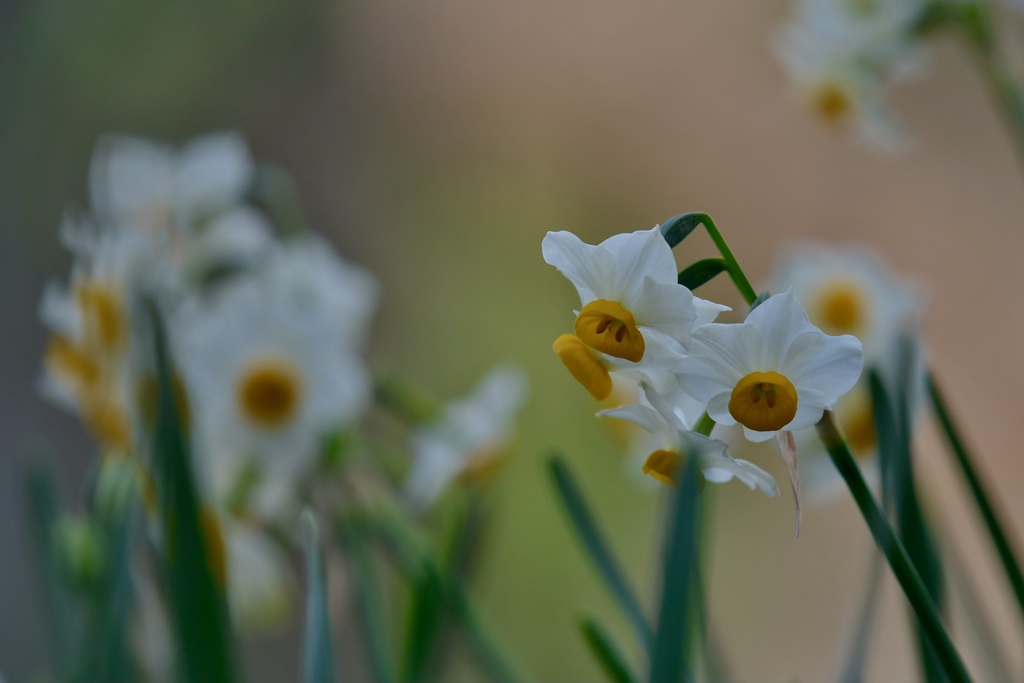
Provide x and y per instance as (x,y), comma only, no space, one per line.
(894,426)
(43,513)
(678,228)
(415,562)
(318,657)
(701,272)
(606,652)
(679,567)
(979,491)
(597,549)
(368,600)
(902,567)
(197,604)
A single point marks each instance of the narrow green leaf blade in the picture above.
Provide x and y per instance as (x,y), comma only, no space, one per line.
(672,637)
(369,601)
(606,652)
(318,657)
(197,602)
(894,426)
(702,272)
(597,549)
(888,542)
(979,491)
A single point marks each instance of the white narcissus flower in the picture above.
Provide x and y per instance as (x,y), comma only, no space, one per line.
(775,371)
(87,366)
(471,436)
(849,291)
(271,374)
(145,186)
(667,463)
(636,318)
(841,54)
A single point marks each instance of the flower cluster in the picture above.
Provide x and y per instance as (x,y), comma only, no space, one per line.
(842,54)
(268,333)
(773,373)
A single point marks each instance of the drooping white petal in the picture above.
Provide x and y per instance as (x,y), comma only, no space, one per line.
(646,417)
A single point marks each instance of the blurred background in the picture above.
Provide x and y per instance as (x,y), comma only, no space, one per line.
(436,143)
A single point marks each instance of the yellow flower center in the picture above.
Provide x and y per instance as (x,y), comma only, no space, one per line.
(763,401)
(667,467)
(840,309)
(610,328)
(269,393)
(833,102)
(103,316)
(584,366)
(483,465)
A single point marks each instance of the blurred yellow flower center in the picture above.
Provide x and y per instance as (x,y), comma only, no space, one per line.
(840,309)
(103,315)
(269,393)
(667,467)
(610,328)
(584,365)
(70,364)
(859,426)
(763,401)
(832,101)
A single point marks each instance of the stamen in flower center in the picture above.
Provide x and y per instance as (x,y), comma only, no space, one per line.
(763,401)
(610,328)
(269,393)
(584,365)
(667,467)
(840,309)
(103,316)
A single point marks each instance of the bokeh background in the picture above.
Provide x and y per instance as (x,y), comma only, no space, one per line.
(436,143)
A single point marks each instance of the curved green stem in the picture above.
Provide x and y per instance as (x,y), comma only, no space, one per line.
(995,529)
(739,278)
(887,541)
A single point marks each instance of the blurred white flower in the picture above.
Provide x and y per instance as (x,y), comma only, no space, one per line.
(841,54)
(271,373)
(849,291)
(470,438)
(677,443)
(87,366)
(775,371)
(145,186)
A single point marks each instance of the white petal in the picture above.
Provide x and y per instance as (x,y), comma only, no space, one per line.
(591,269)
(665,307)
(640,255)
(646,417)
(823,365)
(707,311)
(212,172)
(128,174)
(779,320)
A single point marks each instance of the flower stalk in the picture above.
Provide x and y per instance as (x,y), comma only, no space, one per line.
(907,576)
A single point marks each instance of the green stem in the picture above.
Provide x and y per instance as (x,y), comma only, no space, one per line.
(995,529)
(733,266)
(907,576)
